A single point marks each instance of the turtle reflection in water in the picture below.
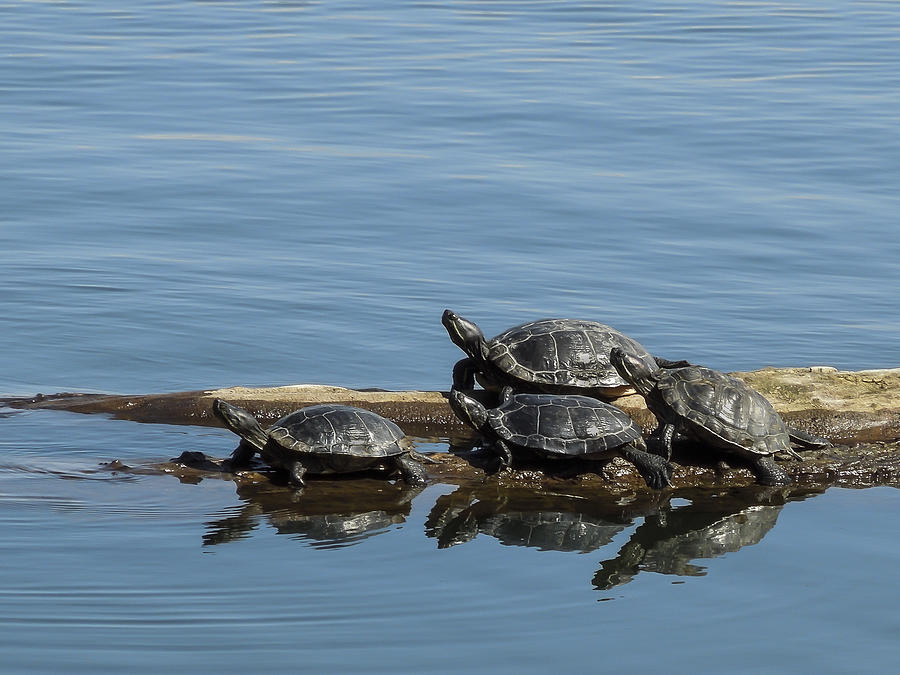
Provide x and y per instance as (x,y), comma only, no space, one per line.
(521,517)
(323,439)
(552,356)
(669,541)
(330,514)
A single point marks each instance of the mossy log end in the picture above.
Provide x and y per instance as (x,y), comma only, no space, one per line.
(858,411)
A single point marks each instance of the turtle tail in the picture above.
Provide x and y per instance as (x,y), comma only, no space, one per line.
(419,457)
(241,422)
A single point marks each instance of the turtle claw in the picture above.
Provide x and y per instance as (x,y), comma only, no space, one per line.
(655,470)
(661,479)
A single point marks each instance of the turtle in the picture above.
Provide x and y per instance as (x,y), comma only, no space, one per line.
(560,426)
(546,520)
(322,439)
(553,356)
(719,410)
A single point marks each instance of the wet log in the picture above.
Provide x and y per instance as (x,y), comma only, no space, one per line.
(857,466)
(420,413)
(858,411)
(844,406)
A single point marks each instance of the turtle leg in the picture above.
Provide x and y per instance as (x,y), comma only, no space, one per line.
(296,474)
(412,471)
(661,441)
(769,473)
(808,441)
(665,363)
(655,470)
(464,374)
(242,455)
(503,453)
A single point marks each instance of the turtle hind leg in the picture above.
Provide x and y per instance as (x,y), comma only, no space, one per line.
(655,470)
(419,457)
(769,473)
(806,440)
(411,470)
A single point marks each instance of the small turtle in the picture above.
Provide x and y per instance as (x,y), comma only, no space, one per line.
(555,356)
(323,439)
(560,426)
(716,409)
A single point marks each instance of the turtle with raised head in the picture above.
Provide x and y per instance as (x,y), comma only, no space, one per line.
(323,439)
(718,410)
(560,427)
(555,356)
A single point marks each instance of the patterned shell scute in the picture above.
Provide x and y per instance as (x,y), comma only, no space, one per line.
(565,425)
(338,429)
(726,407)
(563,352)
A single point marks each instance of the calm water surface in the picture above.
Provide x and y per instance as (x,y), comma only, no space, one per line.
(206,194)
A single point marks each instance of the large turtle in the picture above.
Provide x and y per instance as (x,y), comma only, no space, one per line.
(716,409)
(555,356)
(322,439)
(560,427)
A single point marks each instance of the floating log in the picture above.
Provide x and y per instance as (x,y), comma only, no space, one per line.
(858,411)
(844,406)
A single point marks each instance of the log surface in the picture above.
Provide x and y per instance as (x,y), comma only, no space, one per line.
(858,411)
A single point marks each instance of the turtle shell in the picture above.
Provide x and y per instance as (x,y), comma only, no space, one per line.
(723,410)
(562,425)
(338,430)
(563,353)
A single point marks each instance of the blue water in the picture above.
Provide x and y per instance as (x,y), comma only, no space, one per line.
(210,193)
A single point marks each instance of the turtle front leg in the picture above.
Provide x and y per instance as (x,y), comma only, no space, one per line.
(296,474)
(769,473)
(655,470)
(504,454)
(242,455)
(464,374)
(661,441)
(412,471)
(666,363)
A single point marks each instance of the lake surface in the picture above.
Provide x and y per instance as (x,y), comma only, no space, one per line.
(205,194)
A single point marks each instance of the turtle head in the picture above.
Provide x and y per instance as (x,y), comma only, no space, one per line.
(240,422)
(465,335)
(467,409)
(633,369)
